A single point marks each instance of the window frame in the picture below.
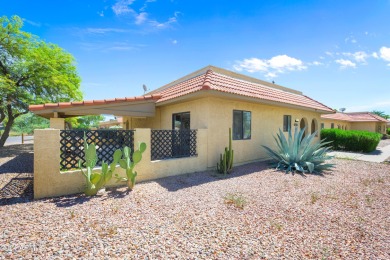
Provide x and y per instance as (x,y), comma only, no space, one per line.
(288,123)
(181,115)
(242,137)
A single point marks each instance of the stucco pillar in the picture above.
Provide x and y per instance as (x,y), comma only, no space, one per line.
(46,160)
(48,181)
(57,123)
(143,135)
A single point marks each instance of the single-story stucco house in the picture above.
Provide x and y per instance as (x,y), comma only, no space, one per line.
(210,98)
(185,125)
(355,121)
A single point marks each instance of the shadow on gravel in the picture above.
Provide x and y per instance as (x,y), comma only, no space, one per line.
(175,183)
(18,190)
(69,201)
(21,163)
(77,199)
(17,174)
(15,150)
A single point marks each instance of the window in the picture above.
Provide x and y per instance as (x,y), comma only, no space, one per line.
(286,123)
(241,125)
(181,121)
(379,129)
(332,125)
(322,126)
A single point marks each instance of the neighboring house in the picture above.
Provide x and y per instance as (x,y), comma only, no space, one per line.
(117,122)
(355,121)
(214,99)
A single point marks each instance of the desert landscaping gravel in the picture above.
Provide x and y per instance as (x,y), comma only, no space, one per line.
(340,215)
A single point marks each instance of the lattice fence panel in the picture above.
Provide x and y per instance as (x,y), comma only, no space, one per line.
(166,144)
(106,141)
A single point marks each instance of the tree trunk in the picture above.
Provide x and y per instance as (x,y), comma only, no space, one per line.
(7,129)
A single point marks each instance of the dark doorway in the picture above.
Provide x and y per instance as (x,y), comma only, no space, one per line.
(303,125)
(181,124)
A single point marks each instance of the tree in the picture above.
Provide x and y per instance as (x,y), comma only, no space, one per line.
(27,123)
(381,114)
(84,122)
(31,72)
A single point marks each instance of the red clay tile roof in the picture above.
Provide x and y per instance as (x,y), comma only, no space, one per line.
(92,102)
(216,79)
(212,80)
(356,117)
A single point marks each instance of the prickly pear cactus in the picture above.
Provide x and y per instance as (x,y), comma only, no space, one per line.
(95,181)
(129,165)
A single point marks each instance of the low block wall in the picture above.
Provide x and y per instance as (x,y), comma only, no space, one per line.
(50,182)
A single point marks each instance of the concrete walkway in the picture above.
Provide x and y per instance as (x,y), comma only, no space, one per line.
(379,155)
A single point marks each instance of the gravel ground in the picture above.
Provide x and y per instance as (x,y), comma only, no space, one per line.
(341,215)
(16,173)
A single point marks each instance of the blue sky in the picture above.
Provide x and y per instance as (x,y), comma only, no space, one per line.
(337,52)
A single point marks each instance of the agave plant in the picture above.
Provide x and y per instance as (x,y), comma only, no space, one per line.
(300,153)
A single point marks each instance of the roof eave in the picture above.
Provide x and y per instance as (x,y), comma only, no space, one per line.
(204,92)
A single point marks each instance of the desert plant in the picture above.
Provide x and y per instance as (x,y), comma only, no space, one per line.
(225,164)
(129,165)
(95,181)
(236,199)
(299,153)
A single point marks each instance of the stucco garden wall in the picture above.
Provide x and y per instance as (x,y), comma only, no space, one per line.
(50,182)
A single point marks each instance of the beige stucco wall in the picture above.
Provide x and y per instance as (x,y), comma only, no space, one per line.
(266,121)
(367,126)
(50,182)
(216,115)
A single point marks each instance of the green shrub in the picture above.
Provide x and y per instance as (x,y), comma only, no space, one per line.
(388,131)
(351,140)
(299,153)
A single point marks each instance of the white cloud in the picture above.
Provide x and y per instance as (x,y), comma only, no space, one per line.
(163,25)
(105,30)
(345,63)
(284,62)
(101,14)
(329,53)
(108,46)
(174,42)
(276,65)
(32,23)
(141,18)
(385,53)
(350,39)
(375,55)
(122,7)
(359,56)
(316,63)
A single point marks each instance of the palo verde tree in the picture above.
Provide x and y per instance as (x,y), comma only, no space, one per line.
(31,72)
